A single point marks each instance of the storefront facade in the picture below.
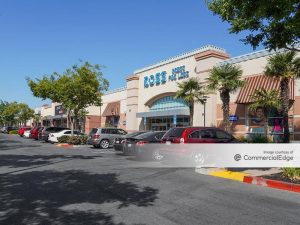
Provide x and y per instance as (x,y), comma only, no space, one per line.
(151,91)
(147,102)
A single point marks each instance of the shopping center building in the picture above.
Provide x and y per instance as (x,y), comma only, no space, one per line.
(147,102)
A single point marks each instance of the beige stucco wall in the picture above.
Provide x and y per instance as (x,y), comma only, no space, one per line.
(113,96)
(254,67)
(196,69)
(49,110)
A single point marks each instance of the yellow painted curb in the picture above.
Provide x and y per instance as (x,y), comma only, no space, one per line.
(229,175)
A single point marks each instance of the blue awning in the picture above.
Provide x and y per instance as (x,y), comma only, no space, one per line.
(172,112)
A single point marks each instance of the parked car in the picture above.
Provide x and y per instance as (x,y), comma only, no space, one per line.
(119,141)
(2,129)
(140,145)
(26,134)
(6,130)
(43,134)
(53,137)
(22,130)
(192,135)
(197,135)
(34,133)
(104,137)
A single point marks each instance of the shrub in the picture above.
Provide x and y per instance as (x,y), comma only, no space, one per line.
(13,132)
(74,140)
(292,173)
(63,139)
(242,139)
(84,139)
(259,138)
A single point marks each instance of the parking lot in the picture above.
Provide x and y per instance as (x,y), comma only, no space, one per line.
(44,184)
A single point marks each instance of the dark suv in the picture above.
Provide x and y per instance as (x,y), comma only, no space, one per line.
(104,137)
(43,134)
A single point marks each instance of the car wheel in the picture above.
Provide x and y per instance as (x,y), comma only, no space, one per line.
(104,144)
(96,146)
(157,156)
(124,151)
(198,158)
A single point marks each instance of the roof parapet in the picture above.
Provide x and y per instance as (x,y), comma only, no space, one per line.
(181,56)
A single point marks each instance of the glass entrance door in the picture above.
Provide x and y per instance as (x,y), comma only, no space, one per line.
(165,123)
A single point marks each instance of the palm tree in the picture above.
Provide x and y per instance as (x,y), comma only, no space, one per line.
(267,99)
(226,79)
(191,91)
(36,119)
(284,66)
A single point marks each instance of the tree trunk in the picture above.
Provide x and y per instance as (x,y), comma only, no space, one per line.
(284,95)
(191,106)
(225,98)
(72,125)
(74,122)
(68,118)
(266,110)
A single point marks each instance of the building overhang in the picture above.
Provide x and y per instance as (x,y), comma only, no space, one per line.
(171,112)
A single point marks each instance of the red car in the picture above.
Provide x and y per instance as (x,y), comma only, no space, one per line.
(22,130)
(197,135)
(191,135)
(34,133)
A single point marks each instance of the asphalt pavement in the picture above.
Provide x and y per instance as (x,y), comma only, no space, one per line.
(44,184)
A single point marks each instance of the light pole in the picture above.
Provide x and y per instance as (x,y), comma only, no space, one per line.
(204,100)
(100,115)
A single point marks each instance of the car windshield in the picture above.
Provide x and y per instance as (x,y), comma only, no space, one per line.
(144,135)
(50,128)
(135,134)
(174,132)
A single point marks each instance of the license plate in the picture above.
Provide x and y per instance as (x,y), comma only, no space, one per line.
(129,145)
(117,142)
(168,142)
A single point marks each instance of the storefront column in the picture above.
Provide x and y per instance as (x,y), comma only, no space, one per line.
(145,123)
(174,120)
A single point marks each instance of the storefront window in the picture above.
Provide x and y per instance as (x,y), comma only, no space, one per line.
(167,103)
(271,122)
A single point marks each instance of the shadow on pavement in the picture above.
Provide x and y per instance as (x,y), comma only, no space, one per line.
(8,141)
(16,161)
(69,197)
(15,147)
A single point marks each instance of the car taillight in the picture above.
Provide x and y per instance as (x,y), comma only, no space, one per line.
(96,136)
(141,143)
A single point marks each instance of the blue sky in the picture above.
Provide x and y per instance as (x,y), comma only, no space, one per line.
(41,37)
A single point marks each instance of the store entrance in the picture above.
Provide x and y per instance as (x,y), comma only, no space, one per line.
(165,123)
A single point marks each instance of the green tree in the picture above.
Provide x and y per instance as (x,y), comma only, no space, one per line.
(3,105)
(191,91)
(77,88)
(226,79)
(268,100)
(272,23)
(284,66)
(25,113)
(36,119)
(10,113)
